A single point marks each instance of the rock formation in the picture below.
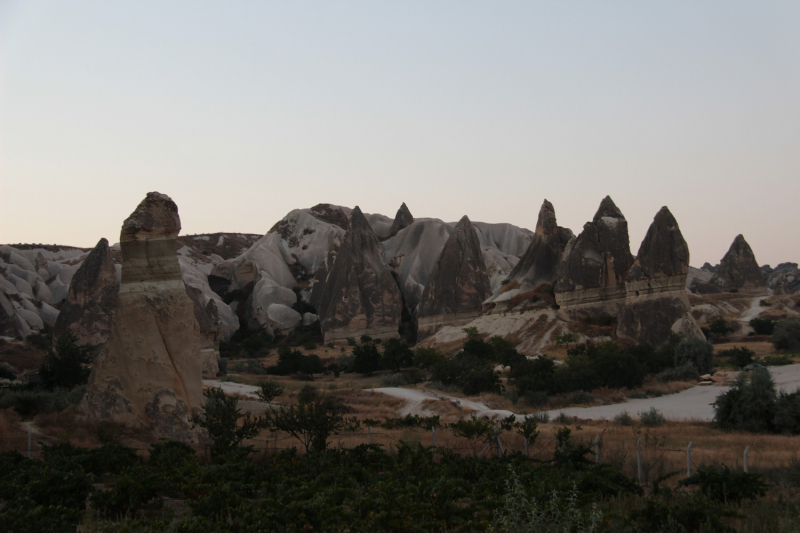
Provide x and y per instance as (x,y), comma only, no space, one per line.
(360,295)
(540,262)
(149,373)
(657,302)
(92,299)
(459,283)
(594,265)
(402,220)
(783,279)
(738,269)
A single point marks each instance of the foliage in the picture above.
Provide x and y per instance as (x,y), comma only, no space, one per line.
(66,366)
(221,418)
(393,380)
(474,429)
(685,372)
(565,339)
(248,366)
(624,419)
(652,417)
(427,358)
(696,351)
(268,391)
(396,355)
(311,422)
(246,342)
(6,372)
(719,328)
(749,405)
(723,485)
(528,429)
(762,326)
(366,358)
(775,360)
(28,403)
(787,412)
(787,335)
(294,362)
(519,514)
(739,356)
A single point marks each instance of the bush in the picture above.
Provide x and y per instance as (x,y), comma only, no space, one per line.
(28,403)
(787,335)
(723,485)
(366,359)
(227,427)
(248,366)
(749,405)
(762,326)
(696,351)
(787,413)
(66,366)
(396,355)
(686,372)
(719,328)
(624,419)
(739,356)
(6,372)
(775,360)
(393,380)
(652,418)
(294,362)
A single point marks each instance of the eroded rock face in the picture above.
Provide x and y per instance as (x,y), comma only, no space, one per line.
(783,279)
(540,262)
(597,260)
(650,320)
(92,299)
(459,280)
(359,294)
(149,373)
(402,220)
(738,269)
(663,252)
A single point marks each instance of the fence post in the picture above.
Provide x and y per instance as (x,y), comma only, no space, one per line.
(689,459)
(497,442)
(639,459)
(29,441)
(526,448)
(370,434)
(746,454)
(597,449)
(433,432)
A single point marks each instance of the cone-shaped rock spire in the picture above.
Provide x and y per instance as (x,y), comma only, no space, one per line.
(402,220)
(459,280)
(92,299)
(539,263)
(663,252)
(738,269)
(360,296)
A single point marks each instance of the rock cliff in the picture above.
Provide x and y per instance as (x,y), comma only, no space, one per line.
(402,220)
(738,269)
(360,295)
(149,373)
(92,299)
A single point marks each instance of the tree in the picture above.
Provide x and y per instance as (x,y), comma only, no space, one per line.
(528,430)
(427,358)
(762,326)
(397,355)
(312,422)
(787,334)
(269,391)
(749,405)
(696,351)
(719,328)
(65,366)
(366,359)
(474,429)
(221,418)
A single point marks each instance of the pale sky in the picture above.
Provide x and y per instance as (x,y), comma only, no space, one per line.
(244,110)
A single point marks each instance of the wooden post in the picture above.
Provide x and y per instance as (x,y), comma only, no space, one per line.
(746,454)
(597,449)
(433,432)
(639,459)
(689,459)
(526,448)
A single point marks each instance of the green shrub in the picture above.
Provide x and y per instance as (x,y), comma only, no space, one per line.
(696,351)
(225,424)
(624,419)
(719,328)
(652,418)
(294,362)
(28,403)
(396,355)
(787,335)
(6,372)
(723,485)
(739,356)
(787,413)
(248,366)
(66,365)
(366,358)
(685,372)
(394,380)
(762,326)
(775,360)
(749,405)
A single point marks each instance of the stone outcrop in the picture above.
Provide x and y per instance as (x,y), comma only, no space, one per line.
(402,220)
(594,265)
(360,295)
(738,270)
(783,279)
(149,374)
(657,302)
(92,299)
(458,285)
(540,262)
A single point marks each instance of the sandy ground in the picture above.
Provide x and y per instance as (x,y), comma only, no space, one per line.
(690,404)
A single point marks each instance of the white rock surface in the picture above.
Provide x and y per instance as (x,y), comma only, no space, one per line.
(49,314)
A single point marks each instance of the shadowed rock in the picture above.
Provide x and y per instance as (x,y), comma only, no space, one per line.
(738,269)
(149,373)
(540,262)
(92,299)
(402,220)
(459,281)
(598,258)
(359,295)
(663,252)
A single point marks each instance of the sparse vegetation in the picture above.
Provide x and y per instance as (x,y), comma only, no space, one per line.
(739,356)
(696,351)
(652,418)
(752,404)
(787,335)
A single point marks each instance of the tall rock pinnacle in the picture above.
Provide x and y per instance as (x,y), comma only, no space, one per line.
(663,252)
(402,220)
(459,281)
(738,269)
(539,263)
(360,296)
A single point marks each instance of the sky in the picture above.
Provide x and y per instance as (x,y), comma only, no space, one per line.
(242,111)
